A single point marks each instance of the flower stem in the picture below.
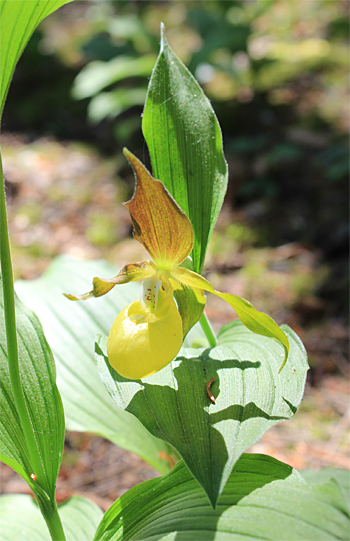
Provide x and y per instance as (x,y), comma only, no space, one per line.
(208,330)
(48,507)
(50,513)
(11,339)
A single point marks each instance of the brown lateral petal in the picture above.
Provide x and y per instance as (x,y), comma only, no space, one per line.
(159,223)
(129,273)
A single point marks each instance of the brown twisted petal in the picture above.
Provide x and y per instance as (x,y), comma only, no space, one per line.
(160,225)
(129,273)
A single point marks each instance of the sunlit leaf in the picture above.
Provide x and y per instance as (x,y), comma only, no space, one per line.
(263,499)
(185,145)
(250,397)
(342,477)
(38,380)
(80,518)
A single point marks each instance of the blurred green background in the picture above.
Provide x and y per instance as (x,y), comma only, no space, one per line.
(276,72)
(277,75)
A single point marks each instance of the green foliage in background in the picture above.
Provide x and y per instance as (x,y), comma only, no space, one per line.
(275,72)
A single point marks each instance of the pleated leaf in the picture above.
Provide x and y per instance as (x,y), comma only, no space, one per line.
(18,20)
(342,477)
(250,397)
(185,145)
(263,499)
(70,328)
(38,380)
(80,518)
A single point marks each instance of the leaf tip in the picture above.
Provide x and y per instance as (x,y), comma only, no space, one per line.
(286,351)
(162,37)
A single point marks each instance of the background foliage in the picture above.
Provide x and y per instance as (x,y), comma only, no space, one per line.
(276,73)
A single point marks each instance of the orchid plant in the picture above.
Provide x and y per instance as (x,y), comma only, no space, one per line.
(200,407)
(148,334)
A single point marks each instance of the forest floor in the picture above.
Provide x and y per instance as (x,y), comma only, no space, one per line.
(65,198)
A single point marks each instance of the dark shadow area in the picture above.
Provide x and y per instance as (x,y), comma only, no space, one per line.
(293,408)
(242,413)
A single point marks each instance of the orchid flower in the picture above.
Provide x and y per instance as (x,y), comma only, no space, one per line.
(148,334)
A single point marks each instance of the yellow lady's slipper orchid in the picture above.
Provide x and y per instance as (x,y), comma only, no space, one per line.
(148,334)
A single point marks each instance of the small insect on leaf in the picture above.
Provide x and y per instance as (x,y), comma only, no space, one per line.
(33,476)
(208,390)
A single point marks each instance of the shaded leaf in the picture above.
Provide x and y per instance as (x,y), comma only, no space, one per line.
(263,499)
(71,329)
(185,145)
(38,380)
(250,397)
(80,518)
(190,303)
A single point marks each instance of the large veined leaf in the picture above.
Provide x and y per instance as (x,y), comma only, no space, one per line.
(185,145)
(250,397)
(70,329)
(80,518)
(38,380)
(263,499)
(342,477)
(18,20)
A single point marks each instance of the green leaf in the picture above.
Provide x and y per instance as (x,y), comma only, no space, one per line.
(250,397)
(111,104)
(98,75)
(185,145)
(38,379)
(18,20)
(342,477)
(190,303)
(263,499)
(70,329)
(80,518)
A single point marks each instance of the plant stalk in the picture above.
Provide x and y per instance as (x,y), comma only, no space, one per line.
(208,330)
(50,513)
(11,339)
(49,507)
